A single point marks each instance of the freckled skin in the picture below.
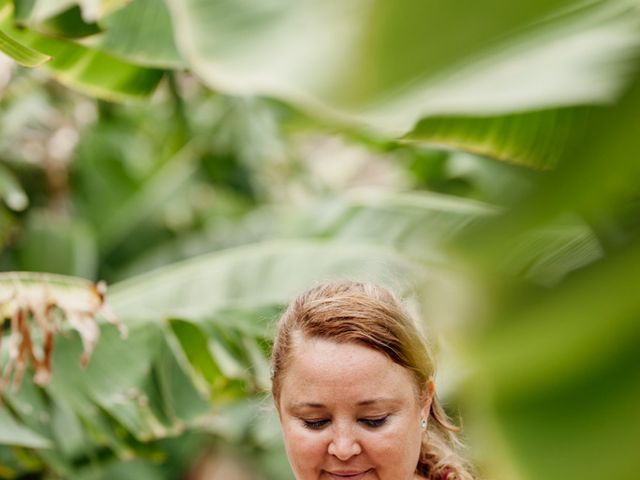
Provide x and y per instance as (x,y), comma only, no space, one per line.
(326,384)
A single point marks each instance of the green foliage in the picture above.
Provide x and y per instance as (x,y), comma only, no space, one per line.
(86,69)
(22,54)
(497,141)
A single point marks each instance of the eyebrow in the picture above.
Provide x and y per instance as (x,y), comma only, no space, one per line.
(372,401)
(377,400)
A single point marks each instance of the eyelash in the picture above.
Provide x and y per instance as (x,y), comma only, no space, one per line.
(369,422)
(315,424)
(374,422)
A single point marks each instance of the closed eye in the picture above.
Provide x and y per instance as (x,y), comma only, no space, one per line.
(374,422)
(315,424)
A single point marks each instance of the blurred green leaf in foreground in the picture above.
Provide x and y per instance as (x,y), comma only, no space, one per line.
(212,159)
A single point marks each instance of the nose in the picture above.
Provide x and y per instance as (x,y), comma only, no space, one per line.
(344,444)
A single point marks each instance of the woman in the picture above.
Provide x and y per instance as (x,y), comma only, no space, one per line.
(352,381)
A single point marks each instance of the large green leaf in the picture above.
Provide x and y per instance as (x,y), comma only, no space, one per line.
(605,313)
(548,360)
(536,139)
(422,226)
(142,33)
(416,225)
(254,276)
(13,433)
(85,69)
(35,12)
(22,54)
(133,389)
(390,64)
(597,177)
(32,409)
(69,24)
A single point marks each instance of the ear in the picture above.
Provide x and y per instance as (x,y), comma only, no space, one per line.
(427,398)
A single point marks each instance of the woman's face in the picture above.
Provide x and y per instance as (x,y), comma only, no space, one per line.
(349,412)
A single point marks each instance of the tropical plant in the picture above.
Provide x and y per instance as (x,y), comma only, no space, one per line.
(517,117)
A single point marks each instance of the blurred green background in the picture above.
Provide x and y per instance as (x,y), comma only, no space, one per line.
(210,159)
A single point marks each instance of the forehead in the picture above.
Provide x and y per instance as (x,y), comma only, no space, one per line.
(327,372)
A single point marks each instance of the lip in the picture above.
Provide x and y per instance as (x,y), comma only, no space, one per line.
(347,474)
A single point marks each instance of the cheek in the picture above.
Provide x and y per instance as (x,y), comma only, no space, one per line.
(305,449)
(397,450)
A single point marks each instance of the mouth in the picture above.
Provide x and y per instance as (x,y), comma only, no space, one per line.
(347,474)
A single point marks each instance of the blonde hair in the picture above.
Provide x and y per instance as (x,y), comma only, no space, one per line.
(351,312)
